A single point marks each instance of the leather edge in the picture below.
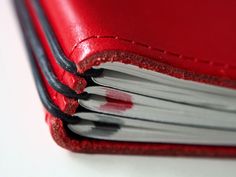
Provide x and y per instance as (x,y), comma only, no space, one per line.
(92,146)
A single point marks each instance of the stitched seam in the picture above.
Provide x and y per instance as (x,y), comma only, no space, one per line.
(162,51)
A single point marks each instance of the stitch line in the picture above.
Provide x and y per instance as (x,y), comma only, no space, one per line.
(162,51)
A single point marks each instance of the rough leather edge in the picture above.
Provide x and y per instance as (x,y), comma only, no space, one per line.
(149,64)
(166,53)
(85,145)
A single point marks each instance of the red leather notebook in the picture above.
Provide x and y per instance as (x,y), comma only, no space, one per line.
(135,77)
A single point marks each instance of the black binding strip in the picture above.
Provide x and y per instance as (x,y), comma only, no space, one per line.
(45,98)
(56,48)
(41,57)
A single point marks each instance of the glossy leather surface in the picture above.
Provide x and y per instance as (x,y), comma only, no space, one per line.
(63,76)
(196,36)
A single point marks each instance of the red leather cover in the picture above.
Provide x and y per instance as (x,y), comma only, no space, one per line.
(192,35)
(186,39)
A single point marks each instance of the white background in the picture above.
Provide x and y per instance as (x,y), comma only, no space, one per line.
(26,147)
